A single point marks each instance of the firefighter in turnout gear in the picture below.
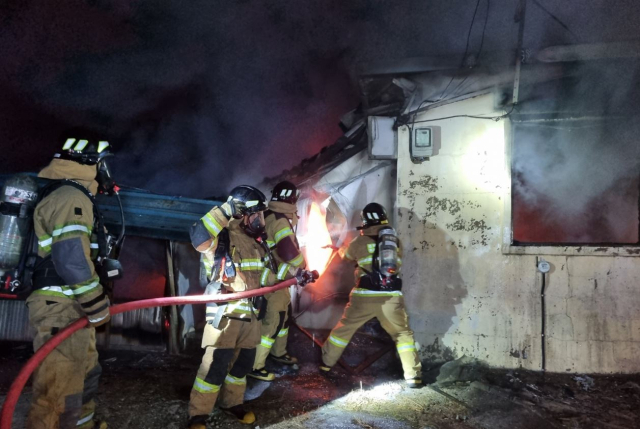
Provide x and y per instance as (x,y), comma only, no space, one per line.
(374,296)
(281,220)
(66,287)
(232,330)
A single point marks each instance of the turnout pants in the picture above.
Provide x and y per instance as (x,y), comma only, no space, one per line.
(274,331)
(390,311)
(229,353)
(65,383)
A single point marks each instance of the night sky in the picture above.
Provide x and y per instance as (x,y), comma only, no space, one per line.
(197,96)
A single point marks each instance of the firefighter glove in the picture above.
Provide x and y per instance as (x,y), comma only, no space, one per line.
(229,209)
(305,277)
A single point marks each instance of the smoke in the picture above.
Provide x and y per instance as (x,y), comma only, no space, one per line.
(582,175)
(198,96)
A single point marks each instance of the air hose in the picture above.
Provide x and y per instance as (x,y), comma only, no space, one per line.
(18,384)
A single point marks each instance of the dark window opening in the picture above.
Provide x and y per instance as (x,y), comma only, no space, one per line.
(576,181)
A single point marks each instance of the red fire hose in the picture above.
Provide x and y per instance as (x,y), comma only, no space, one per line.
(18,384)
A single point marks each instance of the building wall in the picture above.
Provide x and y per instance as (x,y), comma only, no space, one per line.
(469,293)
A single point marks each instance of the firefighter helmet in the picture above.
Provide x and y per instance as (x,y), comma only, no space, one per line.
(285,192)
(84,147)
(247,200)
(374,214)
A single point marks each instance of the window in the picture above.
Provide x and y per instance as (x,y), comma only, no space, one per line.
(575,181)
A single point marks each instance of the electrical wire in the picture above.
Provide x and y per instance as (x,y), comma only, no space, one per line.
(493,118)
(555,18)
(484,29)
(466,49)
(120,240)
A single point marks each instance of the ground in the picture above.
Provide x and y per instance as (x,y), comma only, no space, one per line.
(145,390)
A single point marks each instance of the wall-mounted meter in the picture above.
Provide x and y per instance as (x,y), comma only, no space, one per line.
(543,266)
(422,142)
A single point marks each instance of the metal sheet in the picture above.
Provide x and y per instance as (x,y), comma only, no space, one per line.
(14,321)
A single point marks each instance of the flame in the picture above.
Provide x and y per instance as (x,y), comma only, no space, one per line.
(316,238)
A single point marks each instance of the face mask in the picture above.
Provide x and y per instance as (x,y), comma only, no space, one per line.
(254,224)
(106,183)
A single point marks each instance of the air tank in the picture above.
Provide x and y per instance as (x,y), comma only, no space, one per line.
(388,252)
(18,198)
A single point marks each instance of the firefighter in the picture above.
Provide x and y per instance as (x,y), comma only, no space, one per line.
(232,330)
(67,287)
(281,220)
(373,298)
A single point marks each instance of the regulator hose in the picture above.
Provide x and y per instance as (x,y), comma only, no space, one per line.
(18,384)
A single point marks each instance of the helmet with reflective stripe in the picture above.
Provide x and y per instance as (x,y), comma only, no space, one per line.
(374,214)
(248,200)
(84,147)
(285,192)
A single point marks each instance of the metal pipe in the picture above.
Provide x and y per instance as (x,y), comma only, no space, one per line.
(174,346)
(543,327)
(520,15)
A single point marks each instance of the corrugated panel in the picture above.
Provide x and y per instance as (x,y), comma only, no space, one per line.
(152,215)
(146,319)
(14,321)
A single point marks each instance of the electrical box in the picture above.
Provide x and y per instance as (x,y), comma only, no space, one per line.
(383,139)
(422,143)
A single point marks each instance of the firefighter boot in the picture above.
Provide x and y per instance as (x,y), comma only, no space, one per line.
(414,383)
(243,416)
(324,369)
(198,422)
(285,359)
(262,374)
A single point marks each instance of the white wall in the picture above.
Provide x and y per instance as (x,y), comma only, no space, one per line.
(466,294)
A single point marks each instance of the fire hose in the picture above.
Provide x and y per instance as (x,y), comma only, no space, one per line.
(18,384)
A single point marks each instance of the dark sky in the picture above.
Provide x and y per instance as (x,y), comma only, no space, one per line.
(199,95)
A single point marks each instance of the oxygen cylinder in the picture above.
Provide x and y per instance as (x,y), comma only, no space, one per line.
(17,201)
(388,252)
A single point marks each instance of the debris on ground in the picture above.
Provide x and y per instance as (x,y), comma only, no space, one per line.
(585,382)
(150,390)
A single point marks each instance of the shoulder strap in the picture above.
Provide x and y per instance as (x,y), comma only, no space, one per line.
(54,185)
(375,260)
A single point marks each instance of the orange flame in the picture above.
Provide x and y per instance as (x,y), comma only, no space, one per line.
(316,239)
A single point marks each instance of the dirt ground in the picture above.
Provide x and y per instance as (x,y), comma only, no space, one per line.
(145,390)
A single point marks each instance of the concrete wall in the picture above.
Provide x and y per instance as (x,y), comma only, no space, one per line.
(469,293)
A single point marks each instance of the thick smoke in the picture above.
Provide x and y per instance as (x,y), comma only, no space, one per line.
(582,175)
(200,95)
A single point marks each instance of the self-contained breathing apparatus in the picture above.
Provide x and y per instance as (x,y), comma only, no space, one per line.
(44,272)
(224,271)
(385,267)
(21,269)
(17,203)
